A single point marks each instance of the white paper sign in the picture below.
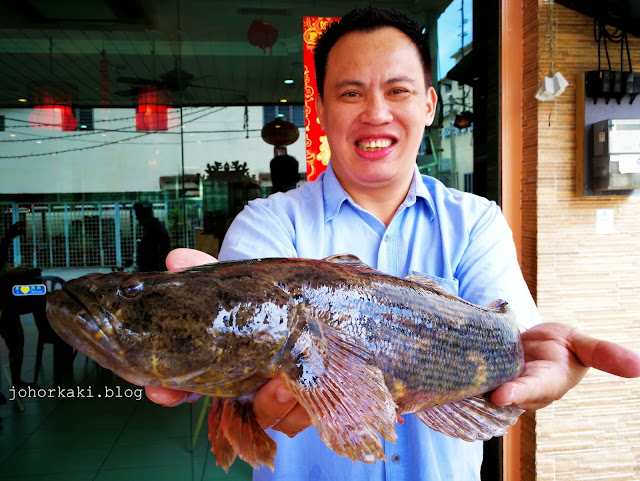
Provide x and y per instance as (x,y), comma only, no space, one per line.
(604,221)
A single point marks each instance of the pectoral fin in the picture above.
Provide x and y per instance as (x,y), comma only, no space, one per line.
(234,430)
(345,396)
(472,419)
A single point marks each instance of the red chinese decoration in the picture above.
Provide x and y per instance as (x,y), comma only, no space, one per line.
(280,133)
(52,110)
(104,80)
(153,109)
(262,35)
(317,147)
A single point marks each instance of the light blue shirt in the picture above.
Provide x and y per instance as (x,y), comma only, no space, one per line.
(459,239)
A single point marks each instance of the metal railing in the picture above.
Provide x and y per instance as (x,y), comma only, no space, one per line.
(91,234)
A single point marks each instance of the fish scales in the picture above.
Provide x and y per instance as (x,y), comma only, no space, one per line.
(423,340)
(354,345)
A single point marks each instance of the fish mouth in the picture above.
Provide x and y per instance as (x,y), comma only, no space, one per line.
(76,316)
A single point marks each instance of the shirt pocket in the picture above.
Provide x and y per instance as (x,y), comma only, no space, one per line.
(450,285)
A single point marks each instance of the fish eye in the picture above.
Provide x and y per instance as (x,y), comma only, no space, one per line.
(131,288)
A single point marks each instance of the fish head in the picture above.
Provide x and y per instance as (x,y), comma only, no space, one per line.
(184,331)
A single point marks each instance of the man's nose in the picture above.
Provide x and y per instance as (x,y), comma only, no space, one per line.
(376,110)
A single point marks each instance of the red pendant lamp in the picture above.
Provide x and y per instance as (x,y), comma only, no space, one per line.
(104,80)
(52,110)
(262,35)
(153,110)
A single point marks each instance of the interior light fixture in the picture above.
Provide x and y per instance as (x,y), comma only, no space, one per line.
(288,81)
(22,100)
(283,100)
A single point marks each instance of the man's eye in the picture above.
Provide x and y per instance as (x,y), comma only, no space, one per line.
(350,94)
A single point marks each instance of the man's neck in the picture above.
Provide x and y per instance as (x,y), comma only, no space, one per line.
(381,198)
(382,203)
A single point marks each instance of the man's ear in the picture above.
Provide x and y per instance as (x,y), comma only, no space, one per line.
(320,111)
(432,102)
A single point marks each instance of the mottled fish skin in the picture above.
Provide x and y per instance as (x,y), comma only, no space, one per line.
(224,329)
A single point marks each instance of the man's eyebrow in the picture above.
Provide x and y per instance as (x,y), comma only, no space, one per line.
(400,79)
(349,83)
(360,84)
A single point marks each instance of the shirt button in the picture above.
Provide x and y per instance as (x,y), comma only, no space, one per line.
(395,458)
(386,238)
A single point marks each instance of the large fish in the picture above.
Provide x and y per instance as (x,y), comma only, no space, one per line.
(357,347)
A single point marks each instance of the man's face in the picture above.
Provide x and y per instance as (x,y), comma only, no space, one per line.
(375,108)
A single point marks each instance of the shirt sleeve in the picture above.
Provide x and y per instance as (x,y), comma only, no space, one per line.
(259,230)
(489,268)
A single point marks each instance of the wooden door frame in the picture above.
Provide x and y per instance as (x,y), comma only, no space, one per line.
(511,82)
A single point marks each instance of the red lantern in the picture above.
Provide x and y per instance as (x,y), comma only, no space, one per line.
(152,114)
(262,35)
(104,80)
(57,117)
(52,109)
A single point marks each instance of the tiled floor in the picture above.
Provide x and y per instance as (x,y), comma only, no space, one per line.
(100,438)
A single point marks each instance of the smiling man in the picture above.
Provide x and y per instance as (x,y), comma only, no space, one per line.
(373,73)
(374,107)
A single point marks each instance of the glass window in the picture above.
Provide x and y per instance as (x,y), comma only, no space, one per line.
(114,113)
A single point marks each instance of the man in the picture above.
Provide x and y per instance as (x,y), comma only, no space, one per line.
(284,173)
(155,243)
(375,98)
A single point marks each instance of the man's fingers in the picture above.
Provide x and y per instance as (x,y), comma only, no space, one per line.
(169,397)
(529,391)
(296,421)
(179,259)
(606,356)
(276,407)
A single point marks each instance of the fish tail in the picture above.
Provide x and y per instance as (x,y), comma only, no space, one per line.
(234,431)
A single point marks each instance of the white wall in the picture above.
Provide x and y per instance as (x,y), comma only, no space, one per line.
(115,157)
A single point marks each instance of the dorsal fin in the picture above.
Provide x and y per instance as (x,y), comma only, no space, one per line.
(347,260)
(430,283)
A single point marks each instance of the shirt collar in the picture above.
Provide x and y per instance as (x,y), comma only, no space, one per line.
(334,194)
(420,190)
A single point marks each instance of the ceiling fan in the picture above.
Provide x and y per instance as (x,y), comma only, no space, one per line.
(174,81)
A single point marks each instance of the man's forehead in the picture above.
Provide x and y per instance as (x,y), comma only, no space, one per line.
(349,58)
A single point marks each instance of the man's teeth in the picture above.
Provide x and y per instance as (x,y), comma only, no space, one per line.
(375,144)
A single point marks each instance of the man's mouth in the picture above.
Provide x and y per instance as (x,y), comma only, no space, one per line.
(373,145)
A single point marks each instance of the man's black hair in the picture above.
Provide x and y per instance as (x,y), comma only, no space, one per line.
(367,20)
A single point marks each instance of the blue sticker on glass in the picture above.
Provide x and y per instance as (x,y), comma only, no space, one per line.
(30,290)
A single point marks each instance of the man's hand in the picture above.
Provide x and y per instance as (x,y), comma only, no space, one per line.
(275,407)
(557,357)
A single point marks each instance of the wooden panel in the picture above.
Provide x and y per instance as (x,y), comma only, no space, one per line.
(582,278)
